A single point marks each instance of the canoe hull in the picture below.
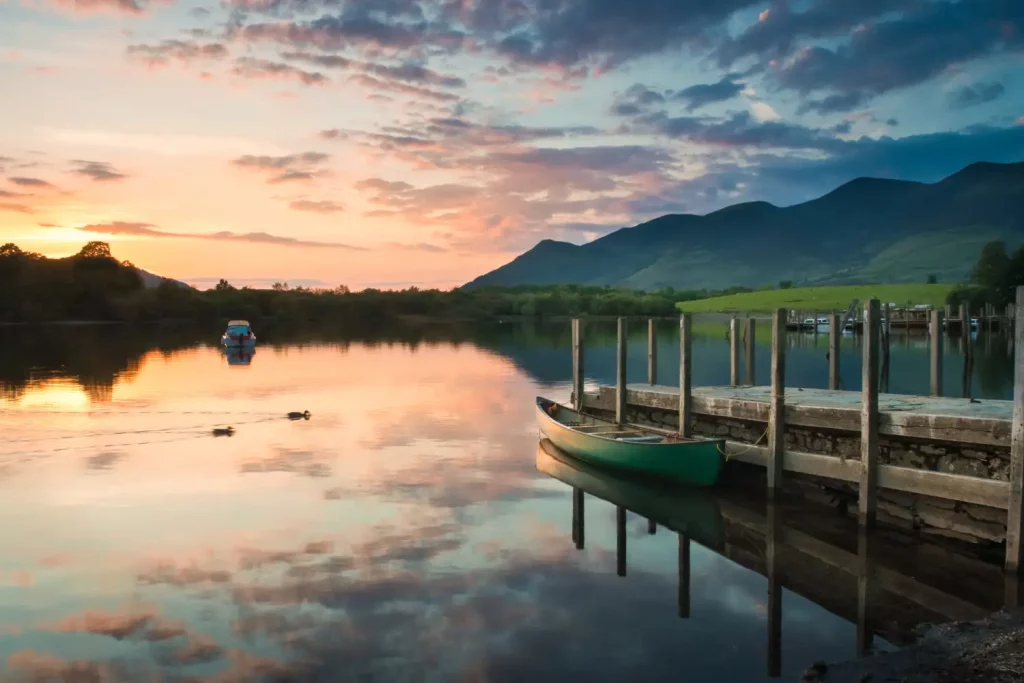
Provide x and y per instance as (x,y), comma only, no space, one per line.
(697,462)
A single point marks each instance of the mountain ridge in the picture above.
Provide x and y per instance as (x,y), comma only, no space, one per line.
(867,229)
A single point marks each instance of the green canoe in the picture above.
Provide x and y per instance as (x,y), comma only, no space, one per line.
(685,510)
(629,447)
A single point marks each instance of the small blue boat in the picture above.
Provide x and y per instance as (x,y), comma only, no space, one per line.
(238,334)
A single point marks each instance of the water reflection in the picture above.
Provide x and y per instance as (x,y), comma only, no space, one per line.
(404,532)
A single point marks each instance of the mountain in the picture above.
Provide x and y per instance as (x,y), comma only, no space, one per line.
(869,230)
(150,280)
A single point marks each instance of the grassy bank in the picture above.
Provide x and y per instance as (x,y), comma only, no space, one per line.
(819,298)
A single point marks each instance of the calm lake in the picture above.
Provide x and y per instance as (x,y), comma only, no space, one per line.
(403,533)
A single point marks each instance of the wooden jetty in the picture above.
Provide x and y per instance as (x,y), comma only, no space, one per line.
(946,466)
(904,318)
(877,581)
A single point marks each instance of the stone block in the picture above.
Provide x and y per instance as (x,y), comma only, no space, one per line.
(954,464)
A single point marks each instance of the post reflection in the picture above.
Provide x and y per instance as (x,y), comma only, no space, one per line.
(772,529)
(620,543)
(684,576)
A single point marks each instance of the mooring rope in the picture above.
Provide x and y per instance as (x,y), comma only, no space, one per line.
(748,448)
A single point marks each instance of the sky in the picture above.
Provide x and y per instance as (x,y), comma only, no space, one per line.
(390,143)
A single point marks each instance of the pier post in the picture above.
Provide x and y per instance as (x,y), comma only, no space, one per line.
(864,586)
(684,576)
(885,325)
(577,363)
(935,332)
(685,373)
(577,518)
(965,339)
(734,352)
(620,375)
(620,540)
(751,345)
(652,527)
(867,492)
(1015,515)
(652,353)
(834,333)
(948,315)
(776,408)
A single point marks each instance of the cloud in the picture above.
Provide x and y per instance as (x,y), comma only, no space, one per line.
(322,206)
(832,104)
(15,207)
(133,7)
(97,170)
(697,96)
(31,182)
(150,230)
(251,67)
(333,134)
(301,167)
(973,95)
(408,72)
(738,130)
(906,50)
(372,83)
(185,51)
(637,99)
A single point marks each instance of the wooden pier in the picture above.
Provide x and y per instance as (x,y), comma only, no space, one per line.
(956,464)
(897,318)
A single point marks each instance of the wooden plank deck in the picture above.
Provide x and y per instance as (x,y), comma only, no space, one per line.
(958,420)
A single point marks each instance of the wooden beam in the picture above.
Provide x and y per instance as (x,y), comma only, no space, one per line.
(652,353)
(777,403)
(577,363)
(734,352)
(751,343)
(935,333)
(866,493)
(835,332)
(988,492)
(1015,515)
(620,374)
(685,371)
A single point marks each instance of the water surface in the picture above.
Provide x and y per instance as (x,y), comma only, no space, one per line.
(403,533)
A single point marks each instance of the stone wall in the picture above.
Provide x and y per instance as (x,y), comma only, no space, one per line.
(968,522)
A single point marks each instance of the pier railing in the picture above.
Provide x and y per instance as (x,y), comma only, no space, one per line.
(867,473)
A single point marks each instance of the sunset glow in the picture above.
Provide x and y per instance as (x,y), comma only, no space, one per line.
(423,142)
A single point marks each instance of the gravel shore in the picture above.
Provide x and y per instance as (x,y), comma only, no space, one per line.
(990,650)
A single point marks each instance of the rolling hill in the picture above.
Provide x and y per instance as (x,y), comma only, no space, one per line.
(869,230)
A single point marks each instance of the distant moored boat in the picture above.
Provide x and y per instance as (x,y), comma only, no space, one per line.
(239,333)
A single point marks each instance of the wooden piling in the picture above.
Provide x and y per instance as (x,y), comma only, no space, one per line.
(885,326)
(772,537)
(685,373)
(684,577)
(620,540)
(935,332)
(776,409)
(577,363)
(620,375)
(751,344)
(834,333)
(652,527)
(1015,514)
(652,353)
(579,516)
(867,493)
(734,352)
(965,340)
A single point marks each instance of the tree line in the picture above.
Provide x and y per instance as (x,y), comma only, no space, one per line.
(93,285)
(994,278)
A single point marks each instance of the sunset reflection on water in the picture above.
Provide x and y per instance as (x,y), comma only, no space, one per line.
(403,532)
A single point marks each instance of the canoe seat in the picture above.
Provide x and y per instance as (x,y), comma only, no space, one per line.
(641,439)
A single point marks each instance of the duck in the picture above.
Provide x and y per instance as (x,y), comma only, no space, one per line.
(295,415)
(223,431)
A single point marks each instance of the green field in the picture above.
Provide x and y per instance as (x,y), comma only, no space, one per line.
(820,299)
